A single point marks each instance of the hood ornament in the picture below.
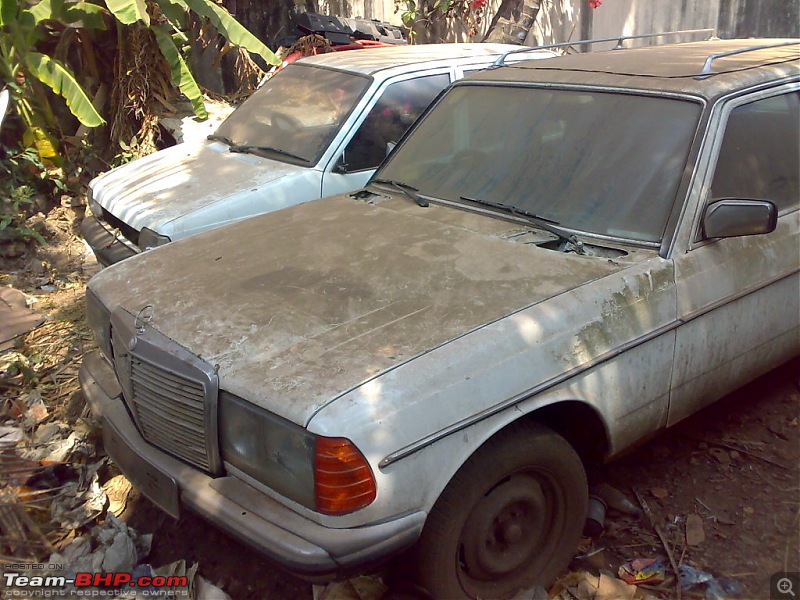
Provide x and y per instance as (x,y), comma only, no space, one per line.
(143,318)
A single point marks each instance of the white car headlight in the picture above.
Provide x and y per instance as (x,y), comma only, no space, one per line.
(150,239)
(94,205)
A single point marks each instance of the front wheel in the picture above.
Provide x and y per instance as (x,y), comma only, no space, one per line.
(510,518)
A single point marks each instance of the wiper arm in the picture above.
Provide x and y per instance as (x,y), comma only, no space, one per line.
(247,148)
(219,138)
(408,190)
(570,241)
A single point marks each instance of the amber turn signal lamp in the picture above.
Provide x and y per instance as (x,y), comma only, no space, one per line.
(343,480)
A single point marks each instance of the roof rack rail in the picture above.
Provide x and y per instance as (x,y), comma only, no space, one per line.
(501,60)
(706,72)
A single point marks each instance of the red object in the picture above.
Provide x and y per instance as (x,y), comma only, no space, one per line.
(595,3)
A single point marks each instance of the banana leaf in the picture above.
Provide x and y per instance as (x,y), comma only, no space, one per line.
(46,9)
(129,11)
(8,12)
(59,79)
(175,11)
(91,15)
(234,31)
(180,72)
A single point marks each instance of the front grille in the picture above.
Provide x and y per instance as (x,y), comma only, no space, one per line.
(170,410)
(129,232)
(170,392)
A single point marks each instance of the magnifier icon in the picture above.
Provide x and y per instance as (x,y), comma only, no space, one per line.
(785,585)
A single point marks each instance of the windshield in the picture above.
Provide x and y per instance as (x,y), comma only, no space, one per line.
(596,162)
(296,113)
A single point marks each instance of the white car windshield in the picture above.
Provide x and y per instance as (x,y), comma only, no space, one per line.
(295,114)
(593,162)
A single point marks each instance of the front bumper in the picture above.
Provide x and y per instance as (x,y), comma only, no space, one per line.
(107,247)
(298,544)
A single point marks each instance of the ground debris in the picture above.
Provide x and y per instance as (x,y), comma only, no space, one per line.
(695,534)
(58,495)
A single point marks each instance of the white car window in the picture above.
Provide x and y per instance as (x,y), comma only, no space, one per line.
(297,112)
(392,115)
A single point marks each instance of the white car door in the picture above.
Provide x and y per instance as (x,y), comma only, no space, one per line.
(738,297)
(396,106)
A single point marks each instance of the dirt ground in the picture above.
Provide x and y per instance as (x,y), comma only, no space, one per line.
(729,476)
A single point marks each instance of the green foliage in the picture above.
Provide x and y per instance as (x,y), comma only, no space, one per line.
(21,30)
(424,12)
(180,72)
(129,12)
(59,79)
(23,176)
(20,35)
(235,33)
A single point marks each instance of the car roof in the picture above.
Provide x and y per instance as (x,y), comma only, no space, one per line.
(673,68)
(409,58)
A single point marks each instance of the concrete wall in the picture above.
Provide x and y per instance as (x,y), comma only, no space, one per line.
(566,20)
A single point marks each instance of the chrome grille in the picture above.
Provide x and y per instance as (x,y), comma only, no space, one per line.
(170,392)
(170,410)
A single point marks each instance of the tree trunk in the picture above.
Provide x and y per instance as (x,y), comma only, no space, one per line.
(513,21)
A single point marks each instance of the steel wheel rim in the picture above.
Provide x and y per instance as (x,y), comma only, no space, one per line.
(501,540)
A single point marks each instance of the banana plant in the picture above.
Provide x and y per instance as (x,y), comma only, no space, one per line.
(171,40)
(21,66)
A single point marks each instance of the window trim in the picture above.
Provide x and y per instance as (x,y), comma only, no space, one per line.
(715,139)
(360,114)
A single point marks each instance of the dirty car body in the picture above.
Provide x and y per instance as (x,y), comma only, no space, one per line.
(428,361)
(318,127)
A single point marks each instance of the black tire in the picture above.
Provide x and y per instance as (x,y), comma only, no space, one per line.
(510,518)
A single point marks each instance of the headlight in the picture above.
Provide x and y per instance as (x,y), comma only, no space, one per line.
(94,205)
(98,316)
(328,475)
(150,239)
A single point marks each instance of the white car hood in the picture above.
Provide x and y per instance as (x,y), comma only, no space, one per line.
(164,186)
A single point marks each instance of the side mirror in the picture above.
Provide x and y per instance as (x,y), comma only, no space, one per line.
(340,168)
(734,217)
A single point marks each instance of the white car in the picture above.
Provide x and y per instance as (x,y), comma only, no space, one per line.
(318,127)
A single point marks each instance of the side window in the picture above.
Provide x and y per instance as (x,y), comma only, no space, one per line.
(395,111)
(759,156)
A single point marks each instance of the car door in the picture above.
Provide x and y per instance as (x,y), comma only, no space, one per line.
(396,107)
(738,297)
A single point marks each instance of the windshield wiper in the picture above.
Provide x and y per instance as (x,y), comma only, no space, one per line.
(408,190)
(570,241)
(247,148)
(219,138)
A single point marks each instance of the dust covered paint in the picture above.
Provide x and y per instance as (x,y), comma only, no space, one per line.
(312,315)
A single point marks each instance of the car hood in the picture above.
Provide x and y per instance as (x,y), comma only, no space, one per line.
(299,306)
(171,183)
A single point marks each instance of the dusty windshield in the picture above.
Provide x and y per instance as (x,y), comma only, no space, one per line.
(296,113)
(594,162)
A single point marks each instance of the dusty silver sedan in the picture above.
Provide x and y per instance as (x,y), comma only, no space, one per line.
(562,258)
